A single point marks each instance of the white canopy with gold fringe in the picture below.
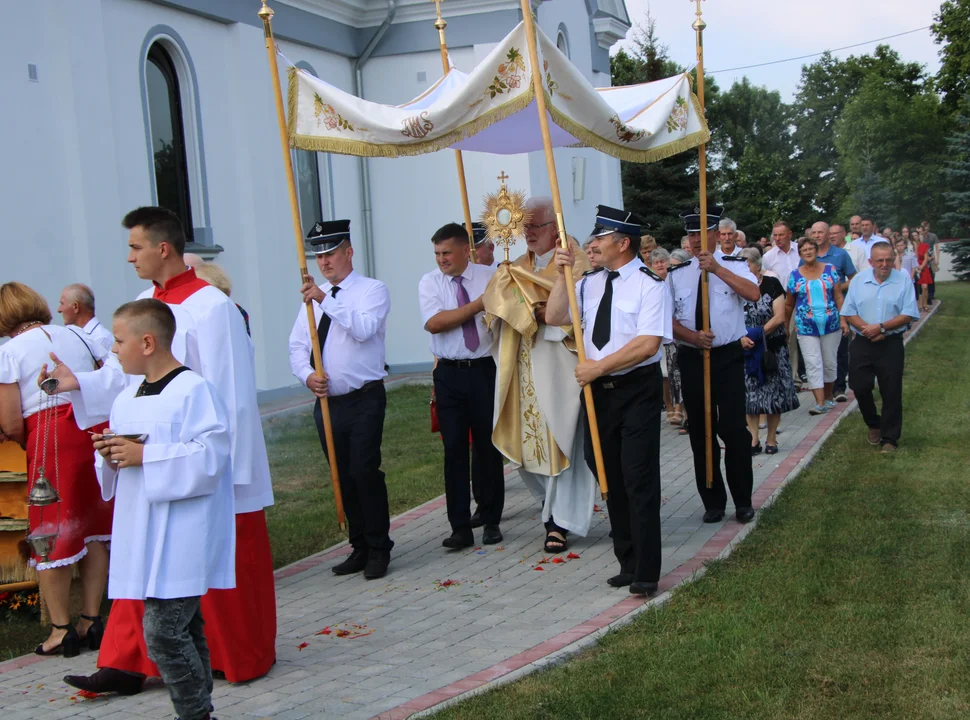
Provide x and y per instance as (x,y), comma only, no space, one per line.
(492,109)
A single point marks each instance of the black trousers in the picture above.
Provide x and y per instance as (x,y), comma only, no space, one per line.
(842,366)
(358,427)
(466,397)
(628,415)
(728,422)
(882,361)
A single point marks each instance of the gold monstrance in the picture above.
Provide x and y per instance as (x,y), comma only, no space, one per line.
(505,216)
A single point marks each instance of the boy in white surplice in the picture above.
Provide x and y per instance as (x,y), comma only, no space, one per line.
(174,530)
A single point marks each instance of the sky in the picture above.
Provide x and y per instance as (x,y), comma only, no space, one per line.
(745,32)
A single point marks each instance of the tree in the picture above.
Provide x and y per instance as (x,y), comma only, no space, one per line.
(952,31)
(957,173)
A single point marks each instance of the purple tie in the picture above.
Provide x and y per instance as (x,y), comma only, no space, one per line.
(468,328)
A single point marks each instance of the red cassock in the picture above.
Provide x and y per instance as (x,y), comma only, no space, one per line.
(240,624)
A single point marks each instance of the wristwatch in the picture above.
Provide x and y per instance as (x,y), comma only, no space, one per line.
(882,328)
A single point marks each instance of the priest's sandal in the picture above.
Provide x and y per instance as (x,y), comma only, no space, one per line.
(107,680)
(555,541)
(69,646)
(92,638)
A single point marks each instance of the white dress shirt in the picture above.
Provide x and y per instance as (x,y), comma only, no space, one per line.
(860,250)
(781,263)
(718,254)
(437,292)
(353,353)
(99,334)
(639,307)
(727,307)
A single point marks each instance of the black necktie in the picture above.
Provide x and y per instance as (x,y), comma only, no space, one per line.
(699,310)
(323,328)
(601,326)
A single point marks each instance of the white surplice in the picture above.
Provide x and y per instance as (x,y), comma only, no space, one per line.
(210,339)
(174,533)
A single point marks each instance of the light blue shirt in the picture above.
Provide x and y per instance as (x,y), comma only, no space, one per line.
(876,302)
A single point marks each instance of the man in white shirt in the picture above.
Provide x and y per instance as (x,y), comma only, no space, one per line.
(860,250)
(727,239)
(453,312)
(484,248)
(780,261)
(76,306)
(351,314)
(730,283)
(626,318)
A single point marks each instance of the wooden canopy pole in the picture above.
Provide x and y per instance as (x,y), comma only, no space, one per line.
(440,26)
(699,26)
(266,15)
(530,32)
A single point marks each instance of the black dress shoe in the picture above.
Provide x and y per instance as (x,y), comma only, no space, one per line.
(643,588)
(356,562)
(491,535)
(377,562)
(745,514)
(713,516)
(459,539)
(621,580)
(107,680)
(477,519)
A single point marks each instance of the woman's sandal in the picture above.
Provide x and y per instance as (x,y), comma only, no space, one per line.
(555,544)
(69,646)
(683,429)
(92,638)
(771,449)
(675,418)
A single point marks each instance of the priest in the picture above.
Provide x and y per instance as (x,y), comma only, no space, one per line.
(211,339)
(538,423)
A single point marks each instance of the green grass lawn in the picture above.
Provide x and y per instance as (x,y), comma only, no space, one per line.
(303,521)
(851,598)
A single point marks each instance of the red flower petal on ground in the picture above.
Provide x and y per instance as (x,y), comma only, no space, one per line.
(447,583)
(343,633)
(596,508)
(88,694)
(557,560)
(301,646)
(572,556)
(538,567)
(544,561)
(325,631)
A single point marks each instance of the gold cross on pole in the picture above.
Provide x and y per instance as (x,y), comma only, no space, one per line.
(503,177)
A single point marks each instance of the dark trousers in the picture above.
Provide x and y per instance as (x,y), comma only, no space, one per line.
(883,362)
(176,644)
(842,366)
(358,427)
(728,422)
(628,415)
(466,397)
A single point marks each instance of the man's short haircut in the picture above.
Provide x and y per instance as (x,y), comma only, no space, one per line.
(782,223)
(450,231)
(149,317)
(864,218)
(634,242)
(587,242)
(880,246)
(81,294)
(837,225)
(21,304)
(727,224)
(160,224)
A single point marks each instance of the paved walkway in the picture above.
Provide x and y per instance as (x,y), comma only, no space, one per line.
(440,624)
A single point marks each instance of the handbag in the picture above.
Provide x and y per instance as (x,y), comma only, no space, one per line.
(769,361)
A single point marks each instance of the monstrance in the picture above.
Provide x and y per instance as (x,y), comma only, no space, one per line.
(42,492)
(505,216)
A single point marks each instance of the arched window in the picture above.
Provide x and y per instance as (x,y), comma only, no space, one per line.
(168,135)
(313,187)
(562,42)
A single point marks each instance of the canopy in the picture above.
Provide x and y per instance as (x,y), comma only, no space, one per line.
(492,110)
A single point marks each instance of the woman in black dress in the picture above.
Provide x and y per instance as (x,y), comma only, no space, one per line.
(776,394)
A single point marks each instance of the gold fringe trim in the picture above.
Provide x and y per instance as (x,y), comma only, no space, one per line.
(360,148)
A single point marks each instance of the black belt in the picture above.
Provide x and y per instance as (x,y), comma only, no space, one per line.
(614,382)
(690,348)
(487,360)
(360,391)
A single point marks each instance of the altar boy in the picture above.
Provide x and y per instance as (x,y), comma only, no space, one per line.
(174,529)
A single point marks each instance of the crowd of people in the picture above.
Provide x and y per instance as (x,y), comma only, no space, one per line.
(175,463)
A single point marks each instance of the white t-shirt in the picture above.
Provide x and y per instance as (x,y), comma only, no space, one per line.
(22,357)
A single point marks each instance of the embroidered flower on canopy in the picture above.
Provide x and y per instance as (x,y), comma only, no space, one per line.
(508,76)
(677,122)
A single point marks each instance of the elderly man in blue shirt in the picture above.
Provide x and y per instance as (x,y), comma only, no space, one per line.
(879,307)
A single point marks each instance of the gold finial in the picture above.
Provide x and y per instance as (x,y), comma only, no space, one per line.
(503,177)
(440,23)
(266,12)
(699,23)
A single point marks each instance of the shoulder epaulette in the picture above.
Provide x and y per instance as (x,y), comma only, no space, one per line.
(734,258)
(651,273)
(673,268)
(592,272)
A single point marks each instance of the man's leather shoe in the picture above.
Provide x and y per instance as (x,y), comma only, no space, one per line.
(491,535)
(745,514)
(643,588)
(377,562)
(713,516)
(477,519)
(459,540)
(107,680)
(874,436)
(621,580)
(353,564)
